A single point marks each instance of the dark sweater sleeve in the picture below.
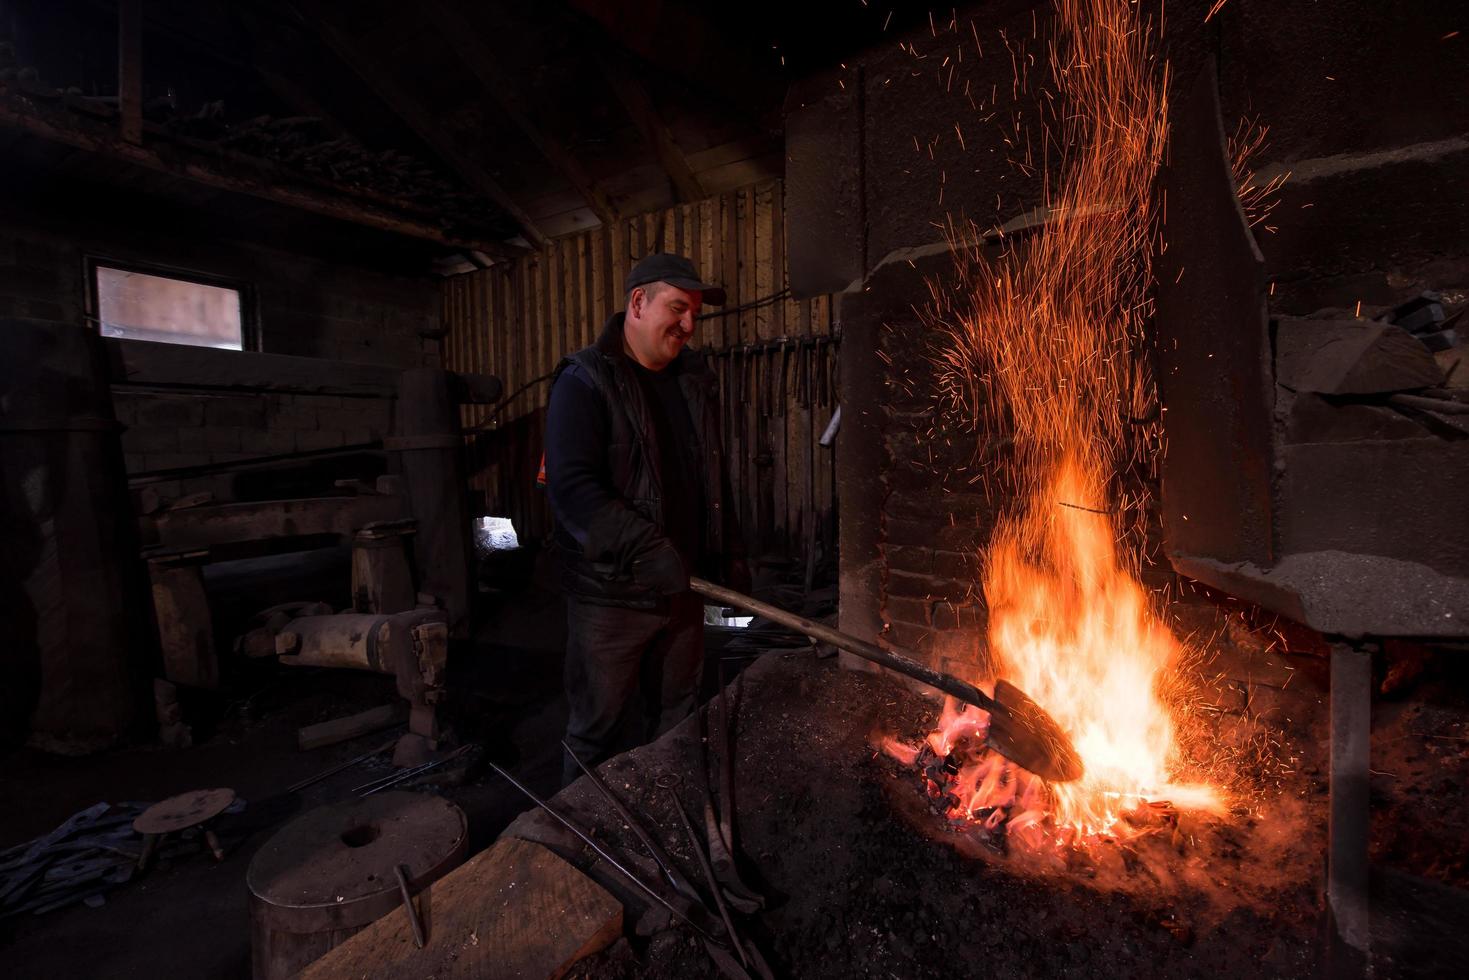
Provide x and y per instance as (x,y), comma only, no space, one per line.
(578,478)
(579,481)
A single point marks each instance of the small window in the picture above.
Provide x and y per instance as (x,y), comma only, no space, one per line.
(137,305)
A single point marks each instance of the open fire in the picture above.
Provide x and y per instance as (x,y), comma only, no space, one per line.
(1045,341)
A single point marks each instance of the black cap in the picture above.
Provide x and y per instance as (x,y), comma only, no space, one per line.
(676,271)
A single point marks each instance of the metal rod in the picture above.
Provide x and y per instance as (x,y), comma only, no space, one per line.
(309,780)
(604,855)
(660,856)
(368,788)
(1444,405)
(688,829)
(409,907)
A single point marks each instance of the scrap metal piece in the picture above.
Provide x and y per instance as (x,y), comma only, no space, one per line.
(720,853)
(605,855)
(660,856)
(688,830)
(743,897)
(409,908)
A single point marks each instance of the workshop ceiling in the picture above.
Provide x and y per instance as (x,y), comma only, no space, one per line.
(495,124)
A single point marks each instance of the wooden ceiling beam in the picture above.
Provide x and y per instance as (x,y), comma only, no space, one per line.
(639,105)
(479,58)
(229,172)
(418,117)
(130,69)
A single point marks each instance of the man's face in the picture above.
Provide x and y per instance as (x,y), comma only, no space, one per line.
(658,325)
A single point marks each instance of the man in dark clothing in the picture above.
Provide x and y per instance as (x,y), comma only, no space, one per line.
(635,473)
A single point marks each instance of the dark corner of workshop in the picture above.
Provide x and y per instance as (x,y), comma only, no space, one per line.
(851,488)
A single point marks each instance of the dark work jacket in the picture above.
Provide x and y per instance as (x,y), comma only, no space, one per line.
(628,531)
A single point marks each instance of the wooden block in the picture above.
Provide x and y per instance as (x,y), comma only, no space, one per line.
(341,729)
(185,624)
(514,910)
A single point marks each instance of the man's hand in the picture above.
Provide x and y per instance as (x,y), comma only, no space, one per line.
(662,570)
(737,576)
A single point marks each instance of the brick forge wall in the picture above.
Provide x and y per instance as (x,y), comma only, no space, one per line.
(910,575)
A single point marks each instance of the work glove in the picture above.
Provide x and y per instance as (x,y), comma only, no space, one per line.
(662,570)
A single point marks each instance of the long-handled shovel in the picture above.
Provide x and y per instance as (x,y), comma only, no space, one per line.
(1020,729)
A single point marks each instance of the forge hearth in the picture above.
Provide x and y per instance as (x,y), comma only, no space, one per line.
(868,878)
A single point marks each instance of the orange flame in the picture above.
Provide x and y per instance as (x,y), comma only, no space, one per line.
(1046,341)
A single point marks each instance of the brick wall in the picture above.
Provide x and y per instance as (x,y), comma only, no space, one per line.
(165,430)
(911,575)
(306,306)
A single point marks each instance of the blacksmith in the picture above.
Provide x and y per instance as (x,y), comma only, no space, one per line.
(634,468)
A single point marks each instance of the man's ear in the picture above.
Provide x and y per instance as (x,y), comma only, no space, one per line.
(635,301)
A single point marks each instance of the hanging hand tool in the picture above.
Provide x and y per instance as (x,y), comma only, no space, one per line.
(1019,729)
(780,397)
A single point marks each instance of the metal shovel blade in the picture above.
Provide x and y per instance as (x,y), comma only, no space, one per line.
(1022,732)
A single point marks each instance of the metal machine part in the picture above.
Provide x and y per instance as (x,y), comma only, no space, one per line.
(411,646)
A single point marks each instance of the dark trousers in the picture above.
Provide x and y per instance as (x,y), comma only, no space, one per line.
(613,655)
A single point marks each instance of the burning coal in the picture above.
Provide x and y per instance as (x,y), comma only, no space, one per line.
(1045,341)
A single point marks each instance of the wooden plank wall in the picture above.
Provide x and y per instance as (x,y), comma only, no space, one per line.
(775,357)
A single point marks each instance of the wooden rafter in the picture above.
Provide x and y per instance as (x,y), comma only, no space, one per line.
(130,69)
(230,172)
(479,57)
(639,105)
(413,113)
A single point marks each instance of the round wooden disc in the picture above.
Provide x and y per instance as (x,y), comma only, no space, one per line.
(333,867)
(183,811)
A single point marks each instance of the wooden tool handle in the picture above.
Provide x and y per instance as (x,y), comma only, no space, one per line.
(905,665)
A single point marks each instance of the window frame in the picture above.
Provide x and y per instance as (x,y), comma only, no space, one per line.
(249,309)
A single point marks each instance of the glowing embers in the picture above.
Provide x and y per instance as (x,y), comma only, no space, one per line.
(992,801)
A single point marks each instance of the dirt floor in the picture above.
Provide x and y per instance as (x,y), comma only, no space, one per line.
(188,917)
(863,877)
